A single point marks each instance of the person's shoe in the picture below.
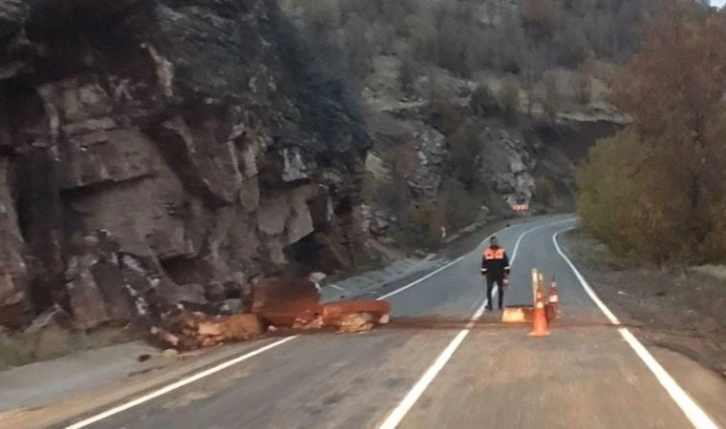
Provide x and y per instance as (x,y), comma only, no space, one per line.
(489,308)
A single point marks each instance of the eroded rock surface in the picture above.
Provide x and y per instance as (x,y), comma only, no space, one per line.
(163,153)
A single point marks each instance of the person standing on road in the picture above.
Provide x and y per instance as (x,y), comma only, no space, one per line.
(495,266)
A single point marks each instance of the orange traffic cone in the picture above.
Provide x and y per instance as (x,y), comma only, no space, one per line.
(539,327)
(554,299)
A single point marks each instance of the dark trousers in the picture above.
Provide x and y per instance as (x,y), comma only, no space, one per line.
(500,292)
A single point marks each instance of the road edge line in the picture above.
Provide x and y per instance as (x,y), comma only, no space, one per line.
(695,414)
(176,385)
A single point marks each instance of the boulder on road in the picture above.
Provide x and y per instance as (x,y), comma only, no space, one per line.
(190,331)
(281,301)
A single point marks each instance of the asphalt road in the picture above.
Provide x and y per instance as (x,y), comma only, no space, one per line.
(432,374)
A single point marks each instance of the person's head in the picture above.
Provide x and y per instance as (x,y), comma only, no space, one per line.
(493,241)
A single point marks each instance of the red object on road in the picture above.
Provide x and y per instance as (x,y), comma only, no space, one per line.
(283,301)
(539,327)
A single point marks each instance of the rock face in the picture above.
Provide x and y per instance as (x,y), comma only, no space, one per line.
(507,163)
(165,152)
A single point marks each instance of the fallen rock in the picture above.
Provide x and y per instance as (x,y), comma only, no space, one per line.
(170,353)
(357,322)
(304,323)
(190,331)
(336,313)
(281,301)
(274,302)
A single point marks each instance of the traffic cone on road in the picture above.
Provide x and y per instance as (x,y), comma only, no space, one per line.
(539,327)
(554,299)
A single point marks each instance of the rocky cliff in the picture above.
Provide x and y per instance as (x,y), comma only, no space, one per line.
(163,152)
(447,132)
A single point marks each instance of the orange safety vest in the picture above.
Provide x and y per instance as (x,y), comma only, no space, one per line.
(491,254)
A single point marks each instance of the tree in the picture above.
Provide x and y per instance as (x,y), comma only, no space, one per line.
(465,147)
(541,18)
(552,98)
(407,74)
(532,68)
(483,102)
(582,84)
(660,189)
(358,49)
(509,97)
(583,88)
(675,89)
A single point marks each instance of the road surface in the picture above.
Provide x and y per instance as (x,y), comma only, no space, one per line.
(435,374)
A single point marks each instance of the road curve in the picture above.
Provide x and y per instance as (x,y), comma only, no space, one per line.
(438,371)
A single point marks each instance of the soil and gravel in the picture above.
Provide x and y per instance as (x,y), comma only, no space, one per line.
(683,310)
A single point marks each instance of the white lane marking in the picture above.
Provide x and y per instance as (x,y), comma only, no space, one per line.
(456,261)
(427,276)
(690,408)
(176,385)
(525,233)
(398,413)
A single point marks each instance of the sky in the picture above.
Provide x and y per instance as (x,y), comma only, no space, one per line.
(718,2)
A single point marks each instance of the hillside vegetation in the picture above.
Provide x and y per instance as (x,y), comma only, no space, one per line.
(475,105)
(658,189)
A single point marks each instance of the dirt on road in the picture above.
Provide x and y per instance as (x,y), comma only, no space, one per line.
(680,310)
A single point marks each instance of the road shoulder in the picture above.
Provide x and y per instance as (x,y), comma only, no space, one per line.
(679,316)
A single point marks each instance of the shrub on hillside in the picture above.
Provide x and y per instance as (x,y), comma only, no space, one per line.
(552,99)
(661,186)
(582,86)
(634,205)
(421,226)
(407,74)
(461,207)
(445,114)
(465,147)
(509,97)
(393,194)
(483,102)
(608,201)
(546,191)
